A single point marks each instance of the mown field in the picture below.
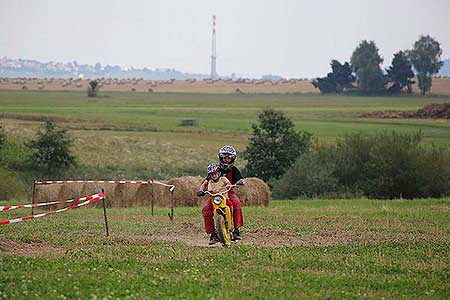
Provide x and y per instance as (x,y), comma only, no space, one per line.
(133,134)
(318,249)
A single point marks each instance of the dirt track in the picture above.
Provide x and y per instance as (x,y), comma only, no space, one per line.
(191,234)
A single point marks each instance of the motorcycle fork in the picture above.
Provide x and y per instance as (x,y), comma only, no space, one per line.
(226,212)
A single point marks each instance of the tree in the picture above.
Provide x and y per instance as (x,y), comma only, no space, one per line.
(326,85)
(52,150)
(400,73)
(366,54)
(365,63)
(343,75)
(371,79)
(426,59)
(336,81)
(274,145)
(93,88)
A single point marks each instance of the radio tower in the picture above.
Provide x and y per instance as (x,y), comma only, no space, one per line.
(213,52)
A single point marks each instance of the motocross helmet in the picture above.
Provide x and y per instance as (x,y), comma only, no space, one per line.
(213,168)
(227,151)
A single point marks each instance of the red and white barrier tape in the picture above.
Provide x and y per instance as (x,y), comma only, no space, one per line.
(89,200)
(171,186)
(11,207)
(91,181)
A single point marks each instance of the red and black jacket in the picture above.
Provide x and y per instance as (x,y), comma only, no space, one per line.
(233,174)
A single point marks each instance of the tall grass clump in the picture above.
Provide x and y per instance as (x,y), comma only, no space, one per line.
(385,165)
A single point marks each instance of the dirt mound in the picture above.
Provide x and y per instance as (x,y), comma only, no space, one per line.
(431,111)
(434,111)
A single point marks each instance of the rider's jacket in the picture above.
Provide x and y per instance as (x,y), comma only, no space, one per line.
(219,185)
(233,175)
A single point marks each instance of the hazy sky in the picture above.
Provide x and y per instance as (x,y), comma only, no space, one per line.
(293,38)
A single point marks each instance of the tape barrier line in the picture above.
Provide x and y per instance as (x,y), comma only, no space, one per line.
(11,207)
(171,186)
(89,200)
(91,181)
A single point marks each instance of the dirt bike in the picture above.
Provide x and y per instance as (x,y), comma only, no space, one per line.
(222,216)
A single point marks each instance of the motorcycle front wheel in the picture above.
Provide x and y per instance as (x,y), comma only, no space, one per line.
(222,231)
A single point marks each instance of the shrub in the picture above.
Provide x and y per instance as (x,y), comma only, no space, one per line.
(2,137)
(14,156)
(52,150)
(93,88)
(9,185)
(392,166)
(384,165)
(311,176)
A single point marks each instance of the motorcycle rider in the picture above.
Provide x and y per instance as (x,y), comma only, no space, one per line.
(227,156)
(216,184)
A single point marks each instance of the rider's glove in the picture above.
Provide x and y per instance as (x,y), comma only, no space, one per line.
(200,193)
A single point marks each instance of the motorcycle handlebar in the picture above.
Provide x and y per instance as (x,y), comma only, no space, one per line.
(223,192)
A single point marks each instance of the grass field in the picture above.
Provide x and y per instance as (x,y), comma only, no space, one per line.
(318,249)
(114,129)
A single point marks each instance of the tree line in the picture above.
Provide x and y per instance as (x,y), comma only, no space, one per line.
(364,75)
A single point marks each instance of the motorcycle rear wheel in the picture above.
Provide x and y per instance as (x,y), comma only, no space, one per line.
(222,231)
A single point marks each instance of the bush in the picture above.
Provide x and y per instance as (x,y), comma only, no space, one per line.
(9,185)
(14,156)
(2,138)
(434,178)
(312,176)
(385,165)
(52,150)
(93,88)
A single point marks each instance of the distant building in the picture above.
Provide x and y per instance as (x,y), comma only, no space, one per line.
(271,77)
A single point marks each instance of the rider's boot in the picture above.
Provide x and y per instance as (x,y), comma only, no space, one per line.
(236,235)
(213,239)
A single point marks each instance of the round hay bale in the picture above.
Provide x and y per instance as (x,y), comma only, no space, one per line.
(254,192)
(47,193)
(185,193)
(142,198)
(69,191)
(161,194)
(94,188)
(124,195)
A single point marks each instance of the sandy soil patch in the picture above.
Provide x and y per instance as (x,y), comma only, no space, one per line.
(29,249)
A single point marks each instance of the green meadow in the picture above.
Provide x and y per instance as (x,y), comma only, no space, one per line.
(316,249)
(304,249)
(132,134)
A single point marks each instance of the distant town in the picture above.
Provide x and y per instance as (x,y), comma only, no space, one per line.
(14,68)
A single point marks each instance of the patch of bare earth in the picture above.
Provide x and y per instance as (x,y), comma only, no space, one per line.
(431,111)
(192,234)
(30,249)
